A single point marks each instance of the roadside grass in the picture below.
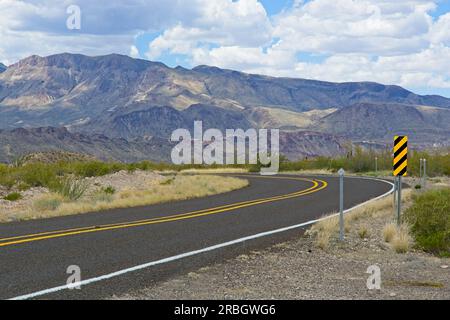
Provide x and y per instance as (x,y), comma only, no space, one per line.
(358,223)
(429,217)
(183,187)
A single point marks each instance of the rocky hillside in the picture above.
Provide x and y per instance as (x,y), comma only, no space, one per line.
(380,122)
(117,107)
(162,121)
(68,89)
(20,142)
(2,67)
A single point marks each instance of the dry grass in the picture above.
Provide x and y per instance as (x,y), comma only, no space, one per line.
(358,222)
(218,170)
(399,237)
(310,172)
(324,230)
(179,188)
(389,231)
(402,239)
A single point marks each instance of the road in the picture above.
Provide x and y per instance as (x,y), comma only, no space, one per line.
(123,249)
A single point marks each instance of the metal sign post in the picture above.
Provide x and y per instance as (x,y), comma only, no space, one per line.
(395,196)
(400,169)
(399,200)
(341,204)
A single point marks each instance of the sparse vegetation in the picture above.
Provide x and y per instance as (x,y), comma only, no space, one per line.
(109,190)
(363,232)
(182,187)
(429,217)
(361,161)
(70,188)
(402,239)
(389,231)
(14,196)
(48,202)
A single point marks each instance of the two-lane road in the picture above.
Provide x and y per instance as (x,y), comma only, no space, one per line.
(123,249)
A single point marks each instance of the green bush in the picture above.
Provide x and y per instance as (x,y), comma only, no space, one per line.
(13,196)
(109,190)
(37,174)
(429,217)
(70,188)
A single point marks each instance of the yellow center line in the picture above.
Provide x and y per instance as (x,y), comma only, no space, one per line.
(189,215)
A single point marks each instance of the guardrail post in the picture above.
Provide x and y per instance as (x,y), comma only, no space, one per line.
(341,204)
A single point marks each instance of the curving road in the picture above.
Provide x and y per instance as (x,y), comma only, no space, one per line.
(123,249)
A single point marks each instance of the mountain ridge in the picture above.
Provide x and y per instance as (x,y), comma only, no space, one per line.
(126,99)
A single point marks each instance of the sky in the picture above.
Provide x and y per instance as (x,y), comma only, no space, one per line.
(402,42)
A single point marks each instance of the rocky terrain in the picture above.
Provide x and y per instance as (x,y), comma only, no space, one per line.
(103,99)
(19,142)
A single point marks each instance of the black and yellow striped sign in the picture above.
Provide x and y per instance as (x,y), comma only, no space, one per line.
(400,156)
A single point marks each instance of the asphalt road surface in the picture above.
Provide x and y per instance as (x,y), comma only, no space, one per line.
(106,246)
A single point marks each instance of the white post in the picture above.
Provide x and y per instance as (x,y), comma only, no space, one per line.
(424,173)
(376,165)
(341,204)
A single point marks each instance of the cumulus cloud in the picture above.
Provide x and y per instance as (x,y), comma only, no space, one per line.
(220,23)
(395,42)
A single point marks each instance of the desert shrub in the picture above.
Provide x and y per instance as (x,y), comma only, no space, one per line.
(14,196)
(109,190)
(402,239)
(167,181)
(70,188)
(48,202)
(363,232)
(36,174)
(23,186)
(389,231)
(429,217)
(102,196)
(95,168)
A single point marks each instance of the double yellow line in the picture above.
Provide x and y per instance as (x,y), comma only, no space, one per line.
(317,186)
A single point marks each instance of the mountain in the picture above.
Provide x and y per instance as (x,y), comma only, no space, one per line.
(307,144)
(68,89)
(162,121)
(2,67)
(117,107)
(380,122)
(19,142)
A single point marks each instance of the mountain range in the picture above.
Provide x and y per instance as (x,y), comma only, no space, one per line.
(118,97)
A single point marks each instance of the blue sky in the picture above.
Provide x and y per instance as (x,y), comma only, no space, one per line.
(403,42)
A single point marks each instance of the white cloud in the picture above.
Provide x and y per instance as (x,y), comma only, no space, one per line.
(221,23)
(396,42)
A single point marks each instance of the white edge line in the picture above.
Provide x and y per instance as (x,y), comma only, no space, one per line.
(192,253)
